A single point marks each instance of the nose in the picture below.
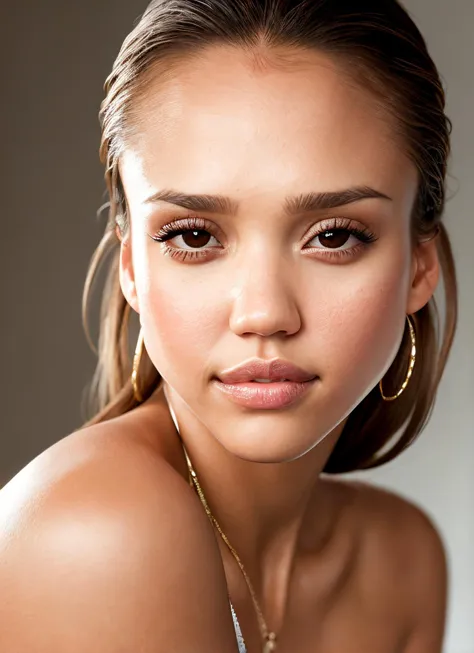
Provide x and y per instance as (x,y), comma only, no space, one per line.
(264,301)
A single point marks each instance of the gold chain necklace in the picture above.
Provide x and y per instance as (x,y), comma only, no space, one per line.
(269,638)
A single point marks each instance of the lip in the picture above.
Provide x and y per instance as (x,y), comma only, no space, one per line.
(265,395)
(257,368)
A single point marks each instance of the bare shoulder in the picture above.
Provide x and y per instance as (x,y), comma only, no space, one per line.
(404,562)
(383,506)
(104,547)
(104,465)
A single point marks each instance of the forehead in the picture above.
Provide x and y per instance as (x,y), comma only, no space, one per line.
(227,120)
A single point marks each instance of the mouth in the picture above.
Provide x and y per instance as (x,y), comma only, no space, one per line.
(276,394)
(265,372)
(264,381)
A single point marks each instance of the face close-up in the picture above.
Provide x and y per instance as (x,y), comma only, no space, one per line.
(327,289)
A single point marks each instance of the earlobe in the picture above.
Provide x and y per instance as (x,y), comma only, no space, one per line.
(425,276)
(126,275)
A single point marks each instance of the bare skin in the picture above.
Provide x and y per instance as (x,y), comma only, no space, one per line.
(103,534)
(105,548)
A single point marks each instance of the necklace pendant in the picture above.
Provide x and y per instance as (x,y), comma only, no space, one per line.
(270,643)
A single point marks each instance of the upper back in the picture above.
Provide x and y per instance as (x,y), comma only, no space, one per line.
(104,547)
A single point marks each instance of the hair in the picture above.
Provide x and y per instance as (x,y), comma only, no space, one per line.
(377,43)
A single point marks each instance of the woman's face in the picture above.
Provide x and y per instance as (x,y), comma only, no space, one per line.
(256,279)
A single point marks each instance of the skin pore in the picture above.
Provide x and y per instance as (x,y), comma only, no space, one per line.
(269,284)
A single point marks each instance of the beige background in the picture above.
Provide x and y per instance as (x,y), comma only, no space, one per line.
(56,57)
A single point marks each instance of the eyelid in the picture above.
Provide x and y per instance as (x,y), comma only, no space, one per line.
(186,222)
(337,222)
(198,223)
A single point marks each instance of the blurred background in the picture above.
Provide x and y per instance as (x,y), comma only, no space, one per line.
(56,58)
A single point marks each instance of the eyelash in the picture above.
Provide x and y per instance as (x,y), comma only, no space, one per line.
(192,223)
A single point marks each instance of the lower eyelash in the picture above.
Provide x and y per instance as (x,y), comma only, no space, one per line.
(168,232)
(183,254)
(192,223)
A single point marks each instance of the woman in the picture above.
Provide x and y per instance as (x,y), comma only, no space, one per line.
(276,173)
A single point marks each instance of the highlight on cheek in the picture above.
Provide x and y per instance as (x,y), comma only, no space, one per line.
(336,238)
(296,153)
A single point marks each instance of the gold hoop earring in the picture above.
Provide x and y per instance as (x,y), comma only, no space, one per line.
(411,365)
(136,363)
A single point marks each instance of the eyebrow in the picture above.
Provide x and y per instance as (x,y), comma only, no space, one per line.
(294,204)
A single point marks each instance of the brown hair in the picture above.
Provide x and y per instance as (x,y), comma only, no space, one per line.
(380,46)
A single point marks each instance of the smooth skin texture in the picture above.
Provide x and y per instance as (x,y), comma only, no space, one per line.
(104,545)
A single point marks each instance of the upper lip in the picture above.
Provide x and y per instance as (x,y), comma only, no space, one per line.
(273,370)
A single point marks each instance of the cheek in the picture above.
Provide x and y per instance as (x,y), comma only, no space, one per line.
(362,329)
(181,327)
(183,314)
(353,319)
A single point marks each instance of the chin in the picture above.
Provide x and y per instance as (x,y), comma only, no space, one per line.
(275,445)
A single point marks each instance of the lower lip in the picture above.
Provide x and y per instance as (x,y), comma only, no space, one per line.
(265,395)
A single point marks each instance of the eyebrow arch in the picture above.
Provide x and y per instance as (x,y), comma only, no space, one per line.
(295,204)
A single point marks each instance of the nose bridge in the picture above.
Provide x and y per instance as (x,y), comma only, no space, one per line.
(264,295)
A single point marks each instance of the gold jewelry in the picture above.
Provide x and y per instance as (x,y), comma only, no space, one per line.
(136,363)
(411,365)
(269,638)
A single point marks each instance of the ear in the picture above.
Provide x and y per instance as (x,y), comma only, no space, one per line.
(425,275)
(126,273)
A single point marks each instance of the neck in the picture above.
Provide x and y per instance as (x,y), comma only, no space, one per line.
(261,507)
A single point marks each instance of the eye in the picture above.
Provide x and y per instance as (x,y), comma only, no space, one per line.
(194,234)
(337,237)
(194,239)
(341,237)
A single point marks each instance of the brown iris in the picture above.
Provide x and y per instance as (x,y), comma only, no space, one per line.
(196,238)
(334,239)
